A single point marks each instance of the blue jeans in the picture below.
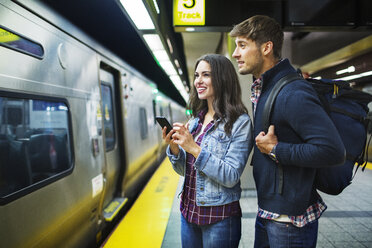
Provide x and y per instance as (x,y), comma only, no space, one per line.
(276,234)
(224,234)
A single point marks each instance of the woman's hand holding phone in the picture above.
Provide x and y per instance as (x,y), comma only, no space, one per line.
(167,132)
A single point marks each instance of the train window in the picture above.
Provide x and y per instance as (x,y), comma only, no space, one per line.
(108,117)
(16,42)
(170,113)
(143,123)
(154,110)
(34,144)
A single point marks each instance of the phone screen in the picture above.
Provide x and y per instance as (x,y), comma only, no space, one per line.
(163,122)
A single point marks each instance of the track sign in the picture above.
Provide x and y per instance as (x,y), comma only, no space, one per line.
(188,12)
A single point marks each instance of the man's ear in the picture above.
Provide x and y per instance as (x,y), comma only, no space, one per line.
(267,48)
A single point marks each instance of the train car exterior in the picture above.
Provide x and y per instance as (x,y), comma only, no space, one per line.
(77,130)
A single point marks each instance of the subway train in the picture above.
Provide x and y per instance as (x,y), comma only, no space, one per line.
(78,135)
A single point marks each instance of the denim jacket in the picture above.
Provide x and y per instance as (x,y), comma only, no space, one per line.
(220,163)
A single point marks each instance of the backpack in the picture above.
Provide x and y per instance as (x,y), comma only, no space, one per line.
(348,110)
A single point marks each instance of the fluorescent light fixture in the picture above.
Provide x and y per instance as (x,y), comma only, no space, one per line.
(347,70)
(138,13)
(156,46)
(161,55)
(153,42)
(156,6)
(177,82)
(318,77)
(168,67)
(170,45)
(185,95)
(360,75)
(180,72)
(190,29)
(179,86)
(177,63)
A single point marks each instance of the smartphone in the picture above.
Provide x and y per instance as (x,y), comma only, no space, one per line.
(163,122)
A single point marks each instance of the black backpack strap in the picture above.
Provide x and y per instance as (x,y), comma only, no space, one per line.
(267,114)
(359,118)
(271,98)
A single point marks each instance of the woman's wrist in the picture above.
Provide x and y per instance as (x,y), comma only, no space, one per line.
(175,150)
(196,151)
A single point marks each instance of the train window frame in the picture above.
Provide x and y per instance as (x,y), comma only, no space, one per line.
(24,51)
(113,119)
(10,197)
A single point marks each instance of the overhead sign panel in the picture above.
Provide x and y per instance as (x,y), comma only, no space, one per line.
(188,12)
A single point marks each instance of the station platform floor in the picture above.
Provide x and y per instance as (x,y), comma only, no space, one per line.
(154,219)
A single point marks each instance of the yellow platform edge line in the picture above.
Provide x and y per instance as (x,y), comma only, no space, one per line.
(369,166)
(145,223)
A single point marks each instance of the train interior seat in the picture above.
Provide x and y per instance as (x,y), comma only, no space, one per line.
(31,159)
(13,120)
(15,167)
(48,155)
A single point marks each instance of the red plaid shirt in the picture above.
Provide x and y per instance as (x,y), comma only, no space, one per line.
(256,92)
(202,215)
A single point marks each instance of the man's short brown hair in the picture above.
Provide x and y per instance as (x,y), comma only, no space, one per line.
(261,29)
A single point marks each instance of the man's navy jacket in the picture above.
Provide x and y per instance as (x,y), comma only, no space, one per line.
(307,139)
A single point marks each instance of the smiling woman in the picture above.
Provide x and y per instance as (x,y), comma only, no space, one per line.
(211,152)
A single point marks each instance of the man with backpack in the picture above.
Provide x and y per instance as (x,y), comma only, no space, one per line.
(301,139)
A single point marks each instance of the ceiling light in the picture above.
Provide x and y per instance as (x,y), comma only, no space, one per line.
(168,67)
(153,42)
(169,45)
(190,29)
(160,55)
(177,82)
(360,75)
(177,63)
(347,70)
(180,87)
(156,6)
(138,13)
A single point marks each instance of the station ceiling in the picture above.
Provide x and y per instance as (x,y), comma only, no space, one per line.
(320,33)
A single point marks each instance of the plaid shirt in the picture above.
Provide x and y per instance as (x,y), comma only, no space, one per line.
(311,214)
(202,215)
(314,211)
(256,92)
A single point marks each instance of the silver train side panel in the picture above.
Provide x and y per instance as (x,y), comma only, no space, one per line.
(68,212)
(46,217)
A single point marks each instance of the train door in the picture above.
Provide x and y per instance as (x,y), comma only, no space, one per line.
(111,131)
